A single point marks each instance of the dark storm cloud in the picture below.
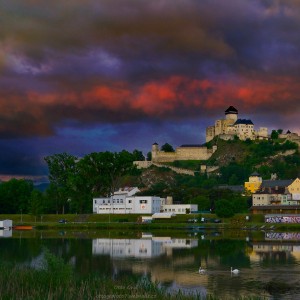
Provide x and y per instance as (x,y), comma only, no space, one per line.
(115,62)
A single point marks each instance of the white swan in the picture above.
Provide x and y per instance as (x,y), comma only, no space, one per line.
(235,271)
(201,271)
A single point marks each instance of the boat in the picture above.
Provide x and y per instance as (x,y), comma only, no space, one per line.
(22,227)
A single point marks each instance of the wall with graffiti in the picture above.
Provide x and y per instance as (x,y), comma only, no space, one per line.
(282,219)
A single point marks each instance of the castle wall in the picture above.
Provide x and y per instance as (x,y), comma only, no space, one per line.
(183,153)
(142,164)
(210,133)
(190,153)
(161,156)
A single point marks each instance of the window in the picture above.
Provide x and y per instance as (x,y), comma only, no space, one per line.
(129,201)
(143,201)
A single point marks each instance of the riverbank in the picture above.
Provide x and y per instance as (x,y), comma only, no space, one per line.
(130,222)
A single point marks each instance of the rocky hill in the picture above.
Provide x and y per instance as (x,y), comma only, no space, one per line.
(236,160)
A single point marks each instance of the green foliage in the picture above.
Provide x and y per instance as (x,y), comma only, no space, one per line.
(167,148)
(74,183)
(36,203)
(15,196)
(59,270)
(149,156)
(234,173)
(203,202)
(274,134)
(187,164)
(224,208)
(138,155)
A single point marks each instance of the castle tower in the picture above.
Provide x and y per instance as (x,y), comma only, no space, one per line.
(231,113)
(154,151)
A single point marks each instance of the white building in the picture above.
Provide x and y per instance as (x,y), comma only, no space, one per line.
(6,224)
(128,205)
(124,201)
(179,209)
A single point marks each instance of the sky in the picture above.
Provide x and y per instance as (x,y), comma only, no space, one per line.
(107,75)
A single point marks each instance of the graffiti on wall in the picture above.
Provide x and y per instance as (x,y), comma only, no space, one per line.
(282,219)
(282,236)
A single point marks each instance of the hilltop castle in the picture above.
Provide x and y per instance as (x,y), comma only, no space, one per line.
(231,126)
(226,129)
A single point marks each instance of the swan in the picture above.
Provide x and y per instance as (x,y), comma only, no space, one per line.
(235,271)
(201,271)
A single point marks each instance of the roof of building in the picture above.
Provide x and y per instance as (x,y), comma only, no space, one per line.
(272,190)
(255,174)
(164,215)
(231,110)
(278,183)
(243,121)
(192,145)
(234,188)
(273,207)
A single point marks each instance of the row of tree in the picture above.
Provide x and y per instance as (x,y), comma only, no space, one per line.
(73,183)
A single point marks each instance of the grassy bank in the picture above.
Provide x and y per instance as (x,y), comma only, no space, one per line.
(130,222)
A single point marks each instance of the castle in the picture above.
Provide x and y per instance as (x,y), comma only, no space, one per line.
(231,126)
(226,129)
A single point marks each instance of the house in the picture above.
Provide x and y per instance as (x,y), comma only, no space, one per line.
(254,183)
(277,197)
(294,189)
(127,205)
(124,201)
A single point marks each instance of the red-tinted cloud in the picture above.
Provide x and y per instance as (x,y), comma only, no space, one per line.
(36,113)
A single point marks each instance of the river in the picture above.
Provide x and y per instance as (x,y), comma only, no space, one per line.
(268,262)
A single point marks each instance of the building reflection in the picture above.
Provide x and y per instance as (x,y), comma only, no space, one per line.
(5,233)
(146,247)
(277,246)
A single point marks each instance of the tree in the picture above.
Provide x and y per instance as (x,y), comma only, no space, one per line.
(167,148)
(15,195)
(202,201)
(224,208)
(62,167)
(149,156)
(36,203)
(73,183)
(274,135)
(138,155)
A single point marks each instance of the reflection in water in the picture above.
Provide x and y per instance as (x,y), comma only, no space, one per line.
(263,261)
(143,248)
(5,233)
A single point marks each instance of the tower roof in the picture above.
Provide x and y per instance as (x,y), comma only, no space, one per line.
(231,110)
(243,121)
(255,174)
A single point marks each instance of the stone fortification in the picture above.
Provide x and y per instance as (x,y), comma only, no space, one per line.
(291,136)
(185,152)
(232,126)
